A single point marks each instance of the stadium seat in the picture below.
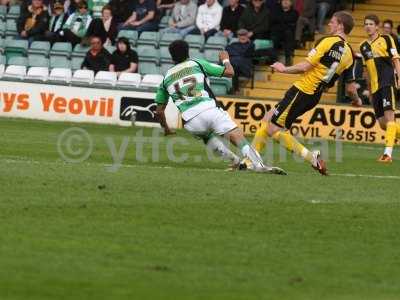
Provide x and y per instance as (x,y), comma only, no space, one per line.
(216,42)
(220,86)
(148,68)
(13,12)
(110,48)
(211,55)
(76,63)
(131,35)
(151,80)
(129,80)
(233,40)
(82,78)
(38,61)
(149,38)
(2,45)
(80,51)
(148,54)
(165,67)
(37,74)
(164,22)
(165,57)
(195,53)
(195,41)
(60,75)
(16,48)
(59,62)
(61,49)
(105,79)
(167,38)
(39,48)
(11,28)
(3,60)
(2,28)
(263,44)
(2,69)
(18,61)
(15,72)
(3,12)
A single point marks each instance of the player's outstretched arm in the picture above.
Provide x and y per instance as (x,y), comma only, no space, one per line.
(229,71)
(351,90)
(160,112)
(299,68)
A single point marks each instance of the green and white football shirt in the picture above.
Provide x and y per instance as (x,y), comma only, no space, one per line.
(186,84)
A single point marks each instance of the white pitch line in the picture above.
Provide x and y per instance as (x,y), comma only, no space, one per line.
(36,162)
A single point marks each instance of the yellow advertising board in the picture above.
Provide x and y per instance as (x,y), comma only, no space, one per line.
(331,122)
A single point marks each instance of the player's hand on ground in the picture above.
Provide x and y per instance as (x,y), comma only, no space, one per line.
(279,67)
(223,55)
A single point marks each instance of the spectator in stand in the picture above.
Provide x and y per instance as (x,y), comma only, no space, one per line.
(208,18)
(165,5)
(323,8)
(57,21)
(255,19)
(183,18)
(97,58)
(76,26)
(143,17)
(122,10)
(240,55)
(72,6)
(230,18)
(388,29)
(33,22)
(96,7)
(105,28)
(283,26)
(305,20)
(124,59)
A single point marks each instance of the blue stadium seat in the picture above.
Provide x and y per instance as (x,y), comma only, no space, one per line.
(59,62)
(221,86)
(39,48)
(195,41)
(149,38)
(61,49)
(38,61)
(216,42)
(131,35)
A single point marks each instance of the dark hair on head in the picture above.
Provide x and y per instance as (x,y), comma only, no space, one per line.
(106,7)
(346,19)
(82,4)
(388,21)
(373,18)
(179,51)
(125,41)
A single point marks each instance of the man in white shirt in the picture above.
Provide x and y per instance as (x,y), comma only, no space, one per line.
(208,18)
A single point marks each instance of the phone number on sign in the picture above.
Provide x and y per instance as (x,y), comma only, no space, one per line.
(354,135)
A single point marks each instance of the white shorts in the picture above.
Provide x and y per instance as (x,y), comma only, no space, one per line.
(214,120)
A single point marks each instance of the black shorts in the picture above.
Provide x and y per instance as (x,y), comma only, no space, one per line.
(294,104)
(384,99)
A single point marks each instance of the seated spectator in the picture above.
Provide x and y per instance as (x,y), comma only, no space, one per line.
(208,18)
(97,58)
(124,59)
(323,8)
(230,18)
(283,26)
(143,17)
(57,21)
(76,26)
(96,7)
(255,18)
(72,6)
(240,55)
(105,28)
(388,29)
(121,10)
(305,20)
(183,18)
(165,5)
(33,22)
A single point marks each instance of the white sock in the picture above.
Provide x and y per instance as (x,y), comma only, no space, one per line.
(217,146)
(249,152)
(388,151)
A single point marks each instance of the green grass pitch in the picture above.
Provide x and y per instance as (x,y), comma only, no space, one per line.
(165,230)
